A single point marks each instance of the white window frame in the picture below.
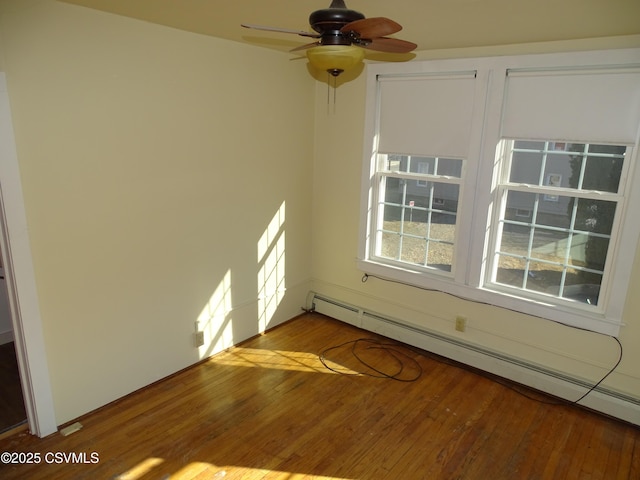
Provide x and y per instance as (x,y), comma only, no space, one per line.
(422,179)
(480,178)
(504,186)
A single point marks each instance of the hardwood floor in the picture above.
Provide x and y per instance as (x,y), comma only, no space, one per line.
(269,409)
(12,412)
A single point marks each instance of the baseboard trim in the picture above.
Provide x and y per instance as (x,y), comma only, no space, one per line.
(601,399)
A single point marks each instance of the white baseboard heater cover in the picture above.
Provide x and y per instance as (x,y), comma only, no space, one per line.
(601,399)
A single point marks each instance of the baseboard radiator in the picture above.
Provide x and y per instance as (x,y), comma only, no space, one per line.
(602,399)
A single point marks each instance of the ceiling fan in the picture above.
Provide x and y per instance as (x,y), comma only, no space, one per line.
(340,32)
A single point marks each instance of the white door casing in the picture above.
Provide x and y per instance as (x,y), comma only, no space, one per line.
(21,285)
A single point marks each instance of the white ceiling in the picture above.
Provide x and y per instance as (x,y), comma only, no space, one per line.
(432,24)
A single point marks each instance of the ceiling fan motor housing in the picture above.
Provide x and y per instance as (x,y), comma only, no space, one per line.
(340,32)
(328,22)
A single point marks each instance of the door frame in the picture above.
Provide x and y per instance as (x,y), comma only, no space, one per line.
(21,285)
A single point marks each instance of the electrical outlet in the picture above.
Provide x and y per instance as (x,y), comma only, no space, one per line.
(199,339)
(461,323)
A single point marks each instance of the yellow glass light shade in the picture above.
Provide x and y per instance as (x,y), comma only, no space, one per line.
(335,58)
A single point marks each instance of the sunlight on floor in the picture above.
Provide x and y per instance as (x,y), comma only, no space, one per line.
(210,471)
(277,359)
(141,469)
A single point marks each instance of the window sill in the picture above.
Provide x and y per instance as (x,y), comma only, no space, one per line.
(571,317)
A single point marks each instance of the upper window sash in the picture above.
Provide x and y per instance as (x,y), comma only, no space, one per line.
(506,146)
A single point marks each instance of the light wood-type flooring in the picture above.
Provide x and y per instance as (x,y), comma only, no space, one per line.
(270,409)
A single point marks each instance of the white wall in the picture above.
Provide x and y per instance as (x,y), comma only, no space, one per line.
(6,328)
(153,161)
(336,203)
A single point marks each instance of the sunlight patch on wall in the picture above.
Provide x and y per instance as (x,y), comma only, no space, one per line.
(215,319)
(271,271)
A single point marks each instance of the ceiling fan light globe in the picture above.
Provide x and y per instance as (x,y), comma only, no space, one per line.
(335,58)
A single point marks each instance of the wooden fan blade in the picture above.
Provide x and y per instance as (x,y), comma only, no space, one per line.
(372,27)
(304,47)
(281,30)
(390,45)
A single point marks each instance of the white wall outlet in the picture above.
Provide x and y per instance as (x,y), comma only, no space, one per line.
(199,338)
(461,323)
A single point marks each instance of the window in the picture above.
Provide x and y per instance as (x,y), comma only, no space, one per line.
(507,181)
(573,192)
(418,210)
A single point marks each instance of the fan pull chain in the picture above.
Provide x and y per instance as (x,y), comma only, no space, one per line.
(328,89)
(335,86)
(335,90)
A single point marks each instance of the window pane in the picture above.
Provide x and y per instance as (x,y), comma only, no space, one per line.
(595,215)
(440,256)
(567,165)
(510,271)
(582,288)
(393,163)
(557,244)
(392,217)
(543,277)
(603,168)
(577,285)
(445,199)
(515,239)
(556,170)
(451,167)
(390,247)
(554,211)
(528,145)
(525,167)
(595,252)
(519,206)
(423,165)
(607,150)
(419,220)
(550,245)
(414,250)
